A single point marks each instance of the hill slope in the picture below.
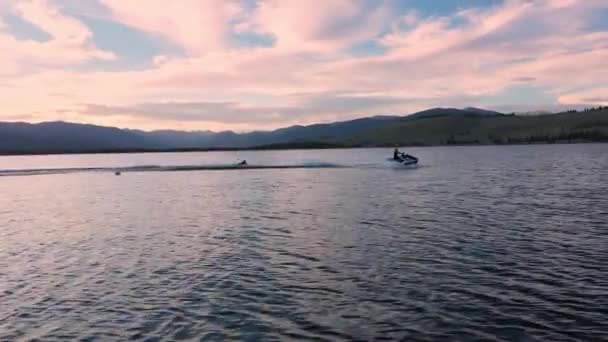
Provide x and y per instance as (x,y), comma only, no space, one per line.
(491,129)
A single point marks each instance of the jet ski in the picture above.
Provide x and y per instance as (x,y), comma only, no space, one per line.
(405,159)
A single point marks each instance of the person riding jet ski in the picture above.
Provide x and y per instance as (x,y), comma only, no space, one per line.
(404,158)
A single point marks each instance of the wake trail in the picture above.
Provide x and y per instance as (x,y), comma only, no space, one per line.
(170,168)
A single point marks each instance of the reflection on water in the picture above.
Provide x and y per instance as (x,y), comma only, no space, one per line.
(486,243)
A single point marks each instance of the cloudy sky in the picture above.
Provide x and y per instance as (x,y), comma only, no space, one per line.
(262,64)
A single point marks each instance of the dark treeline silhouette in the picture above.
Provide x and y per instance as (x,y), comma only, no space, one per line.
(591,109)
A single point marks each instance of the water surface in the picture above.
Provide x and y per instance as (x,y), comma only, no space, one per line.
(499,243)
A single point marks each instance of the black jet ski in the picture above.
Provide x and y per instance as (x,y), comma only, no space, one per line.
(405,159)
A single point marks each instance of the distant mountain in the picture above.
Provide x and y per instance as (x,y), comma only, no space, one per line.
(438,112)
(430,127)
(176,139)
(54,137)
(64,136)
(482,112)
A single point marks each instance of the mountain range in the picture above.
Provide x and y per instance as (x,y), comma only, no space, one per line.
(430,127)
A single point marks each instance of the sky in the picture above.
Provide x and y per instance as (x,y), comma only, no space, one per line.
(262,64)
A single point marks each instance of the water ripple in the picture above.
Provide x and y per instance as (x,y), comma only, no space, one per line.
(455,250)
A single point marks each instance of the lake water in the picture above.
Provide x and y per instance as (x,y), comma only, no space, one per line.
(498,243)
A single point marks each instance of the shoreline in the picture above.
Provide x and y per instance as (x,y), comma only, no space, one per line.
(280,147)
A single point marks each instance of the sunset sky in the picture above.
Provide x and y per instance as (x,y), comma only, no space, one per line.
(244,65)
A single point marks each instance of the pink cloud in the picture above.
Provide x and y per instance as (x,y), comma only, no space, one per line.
(425,37)
(69,42)
(313,26)
(203,27)
(62,28)
(596,96)
(197,26)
